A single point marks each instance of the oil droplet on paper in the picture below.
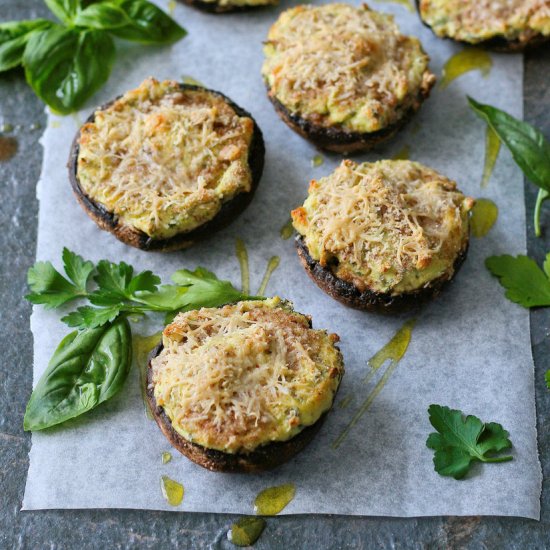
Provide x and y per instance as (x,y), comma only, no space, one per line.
(406,3)
(273,500)
(492,148)
(469,59)
(171,6)
(8,148)
(55,124)
(246,531)
(165,457)
(393,351)
(484,216)
(403,154)
(35,126)
(287,230)
(143,346)
(172,491)
(6,128)
(317,160)
(242,256)
(272,265)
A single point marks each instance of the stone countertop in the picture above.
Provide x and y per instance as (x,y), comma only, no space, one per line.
(147,529)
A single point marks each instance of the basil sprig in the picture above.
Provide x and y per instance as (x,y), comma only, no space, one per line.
(90,365)
(66,63)
(529,148)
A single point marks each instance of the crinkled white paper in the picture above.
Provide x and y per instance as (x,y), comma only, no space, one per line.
(470,348)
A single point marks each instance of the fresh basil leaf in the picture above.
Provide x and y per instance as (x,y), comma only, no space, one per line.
(13,39)
(149,24)
(87,368)
(92,317)
(64,10)
(77,269)
(104,15)
(49,287)
(66,66)
(529,147)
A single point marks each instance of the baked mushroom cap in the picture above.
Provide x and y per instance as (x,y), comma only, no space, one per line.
(502,25)
(166,164)
(343,76)
(243,387)
(225,6)
(382,236)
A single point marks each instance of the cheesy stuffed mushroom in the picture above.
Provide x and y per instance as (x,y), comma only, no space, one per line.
(166,164)
(506,25)
(343,76)
(243,387)
(382,236)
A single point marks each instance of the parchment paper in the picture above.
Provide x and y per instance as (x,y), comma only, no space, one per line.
(470,348)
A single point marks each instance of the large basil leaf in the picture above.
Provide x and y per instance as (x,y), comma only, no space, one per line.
(529,147)
(87,368)
(105,15)
(66,66)
(149,24)
(65,10)
(13,39)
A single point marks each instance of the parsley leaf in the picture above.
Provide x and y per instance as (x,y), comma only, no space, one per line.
(53,290)
(204,289)
(460,441)
(92,317)
(525,283)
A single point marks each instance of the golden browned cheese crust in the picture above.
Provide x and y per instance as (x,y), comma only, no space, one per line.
(477,21)
(245,375)
(164,159)
(338,65)
(389,226)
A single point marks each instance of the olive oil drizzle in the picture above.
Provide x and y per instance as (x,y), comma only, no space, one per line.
(317,161)
(246,531)
(346,401)
(393,351)
(406,3)
(8,148)
(242,256)
(492,148)
(165,457)
(143,345)
(186,79)
(403,154)
(287,230)
(484,216)
(172,491)
(272,265)
(273,500)
(469,59)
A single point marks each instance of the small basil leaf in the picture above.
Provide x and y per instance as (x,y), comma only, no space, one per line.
(66,66)
(64,10)
(106,15)
(149,24)
(529,147)
(87,368)
(13,39)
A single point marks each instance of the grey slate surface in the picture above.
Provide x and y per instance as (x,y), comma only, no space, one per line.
(138,529)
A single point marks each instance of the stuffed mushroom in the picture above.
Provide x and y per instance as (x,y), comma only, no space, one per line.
(343,76)
(382,236)
(243,387)
(166,164)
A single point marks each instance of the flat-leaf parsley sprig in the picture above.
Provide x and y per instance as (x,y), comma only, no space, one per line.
(91,364)
(460,440)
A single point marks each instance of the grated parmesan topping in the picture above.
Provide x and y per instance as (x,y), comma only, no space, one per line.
(164,159)
(244,375)
(338,64)
(385,225)
(477,20)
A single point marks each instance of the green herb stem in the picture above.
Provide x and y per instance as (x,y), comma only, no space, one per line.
(543,195)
